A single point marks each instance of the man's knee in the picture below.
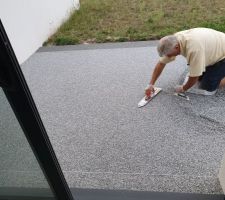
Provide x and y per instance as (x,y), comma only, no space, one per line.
(209,86)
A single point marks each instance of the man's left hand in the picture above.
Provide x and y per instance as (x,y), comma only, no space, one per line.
(179,89)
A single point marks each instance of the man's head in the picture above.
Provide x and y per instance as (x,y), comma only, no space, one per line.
(168,46)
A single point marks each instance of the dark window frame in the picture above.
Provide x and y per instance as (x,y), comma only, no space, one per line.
(21,101)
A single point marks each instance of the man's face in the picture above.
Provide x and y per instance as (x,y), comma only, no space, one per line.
(174,52)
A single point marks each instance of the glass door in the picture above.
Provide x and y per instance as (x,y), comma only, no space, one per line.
(29,168)
(20,173)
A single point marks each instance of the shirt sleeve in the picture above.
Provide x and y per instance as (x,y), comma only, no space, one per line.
(196,61)
(166,59)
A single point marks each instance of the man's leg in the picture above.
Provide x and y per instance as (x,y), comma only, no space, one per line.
(213,77)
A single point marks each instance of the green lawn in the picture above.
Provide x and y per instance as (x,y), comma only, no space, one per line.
(134,20)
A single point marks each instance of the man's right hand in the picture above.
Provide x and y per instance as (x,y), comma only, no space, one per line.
(149,90)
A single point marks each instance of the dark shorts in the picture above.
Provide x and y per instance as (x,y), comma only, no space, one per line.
(211,78)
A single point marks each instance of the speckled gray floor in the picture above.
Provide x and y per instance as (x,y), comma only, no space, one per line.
(88,99)
(18,166)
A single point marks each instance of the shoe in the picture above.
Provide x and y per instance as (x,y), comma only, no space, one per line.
(186,78)
(201,91)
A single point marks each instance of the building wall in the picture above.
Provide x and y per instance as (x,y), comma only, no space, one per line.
(29,23)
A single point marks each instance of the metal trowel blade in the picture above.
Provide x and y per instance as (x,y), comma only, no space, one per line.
(184,96)
(145,100)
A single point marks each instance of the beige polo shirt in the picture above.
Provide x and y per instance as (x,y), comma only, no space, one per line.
(202,47)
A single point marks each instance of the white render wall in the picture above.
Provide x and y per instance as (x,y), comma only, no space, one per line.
(29,23)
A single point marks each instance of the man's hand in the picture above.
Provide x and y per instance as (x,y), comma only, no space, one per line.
(191,81)
(179,89)
(149,90)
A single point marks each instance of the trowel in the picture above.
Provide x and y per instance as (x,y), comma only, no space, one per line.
(144,101)
(182,95)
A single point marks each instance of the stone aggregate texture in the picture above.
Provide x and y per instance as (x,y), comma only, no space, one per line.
(18,165)
(87,97)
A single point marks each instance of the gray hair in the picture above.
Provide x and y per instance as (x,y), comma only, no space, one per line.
(166,45)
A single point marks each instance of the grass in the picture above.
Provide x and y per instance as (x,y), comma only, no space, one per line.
(100,21)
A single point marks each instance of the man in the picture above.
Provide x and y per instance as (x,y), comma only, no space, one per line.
(204,50)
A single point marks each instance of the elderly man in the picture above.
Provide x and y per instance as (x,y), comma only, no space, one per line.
(204,50)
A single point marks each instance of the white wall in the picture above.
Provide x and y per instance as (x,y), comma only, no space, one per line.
(29,23)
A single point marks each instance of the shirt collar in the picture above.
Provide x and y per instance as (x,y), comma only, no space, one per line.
(182,45)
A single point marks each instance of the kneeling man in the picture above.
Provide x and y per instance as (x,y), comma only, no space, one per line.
(204,50)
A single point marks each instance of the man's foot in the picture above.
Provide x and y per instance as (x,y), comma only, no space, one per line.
(201,91)
(222,83)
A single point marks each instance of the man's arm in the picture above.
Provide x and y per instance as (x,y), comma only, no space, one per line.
(191,81)
(156,73)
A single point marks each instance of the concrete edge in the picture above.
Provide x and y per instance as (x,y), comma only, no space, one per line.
(184,184)
(221,174)
(152,43)
(90,194)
